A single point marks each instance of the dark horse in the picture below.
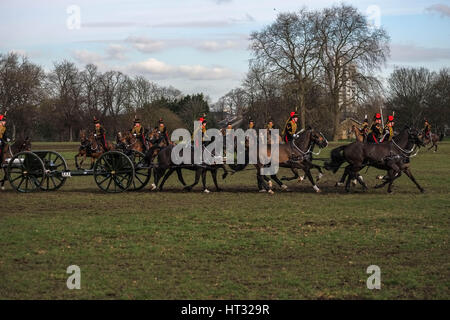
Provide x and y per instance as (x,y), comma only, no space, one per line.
(9,151)
(166,167)
(294,155)
(392,156)
(433,139)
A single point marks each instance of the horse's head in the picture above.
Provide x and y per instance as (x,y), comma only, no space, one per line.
(415,137)
(24,145)
(319,139)
(83,136)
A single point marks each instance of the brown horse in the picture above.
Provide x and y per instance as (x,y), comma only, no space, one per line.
(360,136)
(293,155)
(433,139)
(90,148)
(9,151)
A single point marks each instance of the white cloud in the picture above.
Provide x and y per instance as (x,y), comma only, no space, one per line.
(146,45)
(442,9)
(87,57)
(414,53)
(161,70)
(116,52)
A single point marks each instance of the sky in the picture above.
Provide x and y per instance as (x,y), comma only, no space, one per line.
(198,45)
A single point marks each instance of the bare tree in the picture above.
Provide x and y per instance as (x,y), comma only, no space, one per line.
(291,46)
(64,84)
(90,78)
(20,90)
(349,45)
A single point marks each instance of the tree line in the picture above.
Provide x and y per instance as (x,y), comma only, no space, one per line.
(321,63)
(56,105)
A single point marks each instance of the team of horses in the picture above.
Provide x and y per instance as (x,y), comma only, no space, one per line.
(391,156)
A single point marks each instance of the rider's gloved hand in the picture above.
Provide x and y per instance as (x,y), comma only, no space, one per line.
(95,135)
(134,134)
(8,140)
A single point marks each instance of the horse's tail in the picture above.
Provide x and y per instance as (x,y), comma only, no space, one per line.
(441,136)
(337,159)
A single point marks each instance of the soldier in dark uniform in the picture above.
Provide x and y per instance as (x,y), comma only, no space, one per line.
(3,136)
(251,124)
(388,129)
(100,135)
(139,132)
(290,128)
(365,126)
(376,131)
(427,129)
(163,131)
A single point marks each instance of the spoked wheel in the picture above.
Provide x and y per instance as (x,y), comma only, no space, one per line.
(54,164)
(113,172)
(26,172)
(141,173)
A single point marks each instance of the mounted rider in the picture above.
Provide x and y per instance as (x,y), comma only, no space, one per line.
(3,136)
(365,126)
(100,135)
(291,128)
(139,132)
(376,131)
(163,131)
(427,129)
(388,129)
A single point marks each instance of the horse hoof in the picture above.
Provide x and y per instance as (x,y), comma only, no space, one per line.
(339,184)
(284,187)
(153,187)
(270,184)
(270,192)
(300,179)
(316,189)
(354,182)
(206,191)
(379,177)
(262,191)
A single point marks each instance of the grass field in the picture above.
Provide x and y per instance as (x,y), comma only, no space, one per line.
(237,244)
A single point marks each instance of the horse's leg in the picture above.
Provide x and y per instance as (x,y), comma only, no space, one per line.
(281,184)
(180,176)
(296,175)
(214,177)
(320,175)
(308,174)
(410,176)
(166,176)
(76,161)
(262,185)
(205,190)
(344,176)
(225,171)
(4,179)
(198,173)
